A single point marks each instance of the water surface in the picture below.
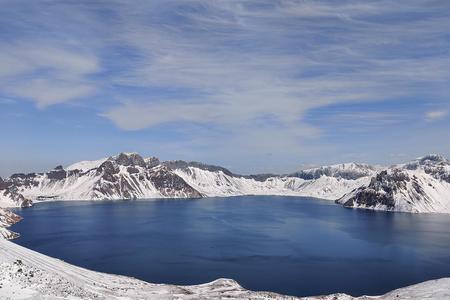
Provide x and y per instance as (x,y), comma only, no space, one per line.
(291,245)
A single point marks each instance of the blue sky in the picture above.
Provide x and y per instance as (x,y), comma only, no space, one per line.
(256,86)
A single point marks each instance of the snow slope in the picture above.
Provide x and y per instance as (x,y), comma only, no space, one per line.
(26,274)
(421,186)
(124,176)
(218,183)
(128,175)
(86,165)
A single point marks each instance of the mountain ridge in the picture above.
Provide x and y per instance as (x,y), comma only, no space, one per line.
(422,185)
(131,176)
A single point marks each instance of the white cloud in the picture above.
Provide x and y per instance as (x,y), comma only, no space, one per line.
(46,74)
(436,115)
(251,70)
(246,60)
(50,91)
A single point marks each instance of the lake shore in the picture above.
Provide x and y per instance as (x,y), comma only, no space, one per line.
(26,274)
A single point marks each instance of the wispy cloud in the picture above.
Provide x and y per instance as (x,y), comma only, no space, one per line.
(46,75)
(249,71)
(247,60)
(436,115)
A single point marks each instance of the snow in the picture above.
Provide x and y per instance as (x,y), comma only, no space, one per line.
(26,274)
(6,201)
(416,187)
(436,197)
(86,165)
(90,184)
(71,188)
(219,184)
(144,179)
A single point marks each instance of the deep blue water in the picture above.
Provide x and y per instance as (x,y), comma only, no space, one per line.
(290,245)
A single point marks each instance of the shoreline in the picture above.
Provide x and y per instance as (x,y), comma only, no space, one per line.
(8,219)
(17,261)
(27,274)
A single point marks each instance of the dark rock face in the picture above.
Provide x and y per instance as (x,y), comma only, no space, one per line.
(129,185)
(73,172)
(57,174)
(152,162)
(382,189)
(15,196)
(108,169)
(434,165)
(118,186)
(10,188)
(132,170)
(18,176)
(110,180)
(4,185)
(169,184)
(132,159)
(7,218)
(17,180)
(260,177)
(370,198)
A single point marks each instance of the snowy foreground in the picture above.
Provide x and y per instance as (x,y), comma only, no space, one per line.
(26,274)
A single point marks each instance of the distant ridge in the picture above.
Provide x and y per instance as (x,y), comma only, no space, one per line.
(422,185)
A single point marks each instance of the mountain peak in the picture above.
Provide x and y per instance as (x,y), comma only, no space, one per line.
(350,170)
(432,158)
(128,159)
(427,161)
(181,164)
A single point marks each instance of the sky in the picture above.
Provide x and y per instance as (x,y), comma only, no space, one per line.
(255,86)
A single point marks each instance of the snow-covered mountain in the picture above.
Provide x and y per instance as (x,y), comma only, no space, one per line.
(124,176)
(218,181)
(128,176)
(422,185)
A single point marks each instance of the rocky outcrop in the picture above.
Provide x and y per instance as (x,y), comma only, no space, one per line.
(419,186)
(151,162)
(131,159)
(129,176)
(170,184)
(380,191)
(7,218)
(124,176)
